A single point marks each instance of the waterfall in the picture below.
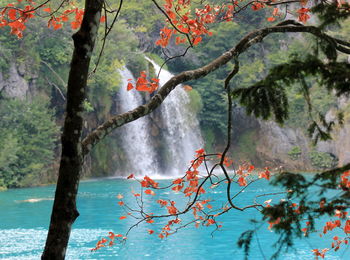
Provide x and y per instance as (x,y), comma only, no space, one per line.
(136,138)
(181,127)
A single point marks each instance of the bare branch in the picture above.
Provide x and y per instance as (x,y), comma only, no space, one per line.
(288,26)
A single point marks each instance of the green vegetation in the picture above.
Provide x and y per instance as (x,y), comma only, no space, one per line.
(322,160)
(45,57)
(28,135)
(196,101)
(295,153)
(245,147)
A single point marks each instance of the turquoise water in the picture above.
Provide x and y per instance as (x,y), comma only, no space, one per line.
(23,227)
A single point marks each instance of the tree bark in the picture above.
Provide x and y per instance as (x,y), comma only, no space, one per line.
(64,210)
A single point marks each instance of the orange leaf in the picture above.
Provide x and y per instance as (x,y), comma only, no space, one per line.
(150,221)
(172,210)
(197,40)
(129,86)
(57,26)
(347,227)
(48,10)
(177,188)
(122,217)
(241,181)
(150,192)
(162,202)
(210,222)
(178,181)
(275,12)
(12,14)
(75,24)
(187,88)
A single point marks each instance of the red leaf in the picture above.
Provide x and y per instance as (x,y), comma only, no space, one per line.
(210,222)
(130,176)
(162,202)
(197,40)
(57,26)
(178,181)
(48,10)
(12,14)
(64,18)
(241,181)
(150,192)
(347,227)
(200,151)
(75,24)
(129,86)
(172,210)
(177,188)
(122,217)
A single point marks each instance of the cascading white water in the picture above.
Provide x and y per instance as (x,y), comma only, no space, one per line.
(181,127)
(136,138)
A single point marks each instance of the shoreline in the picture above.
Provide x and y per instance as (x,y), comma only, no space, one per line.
(155,177)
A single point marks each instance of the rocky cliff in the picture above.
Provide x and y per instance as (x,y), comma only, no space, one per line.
(275,145)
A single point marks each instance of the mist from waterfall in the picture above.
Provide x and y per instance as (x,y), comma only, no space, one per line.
(136,137)
(181,127)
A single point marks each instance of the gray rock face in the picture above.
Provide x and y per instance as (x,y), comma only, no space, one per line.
(14,85)
(340,144)
(342,136)
(275,142)
(343,145)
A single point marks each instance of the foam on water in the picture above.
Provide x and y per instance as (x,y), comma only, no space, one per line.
(29,243)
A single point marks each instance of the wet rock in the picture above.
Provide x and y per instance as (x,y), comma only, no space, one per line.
(14,85)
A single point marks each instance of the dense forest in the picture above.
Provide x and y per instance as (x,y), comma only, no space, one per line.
(34,69)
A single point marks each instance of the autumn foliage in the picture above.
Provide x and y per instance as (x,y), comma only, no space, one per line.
(15,15)
(192,187)
(187,25)
(204,211)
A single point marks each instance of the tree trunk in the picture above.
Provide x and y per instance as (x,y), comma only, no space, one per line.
(64,210)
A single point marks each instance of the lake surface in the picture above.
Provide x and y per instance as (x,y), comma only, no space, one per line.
(24,218)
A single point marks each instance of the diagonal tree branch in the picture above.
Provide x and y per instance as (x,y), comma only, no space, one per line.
(257,36)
